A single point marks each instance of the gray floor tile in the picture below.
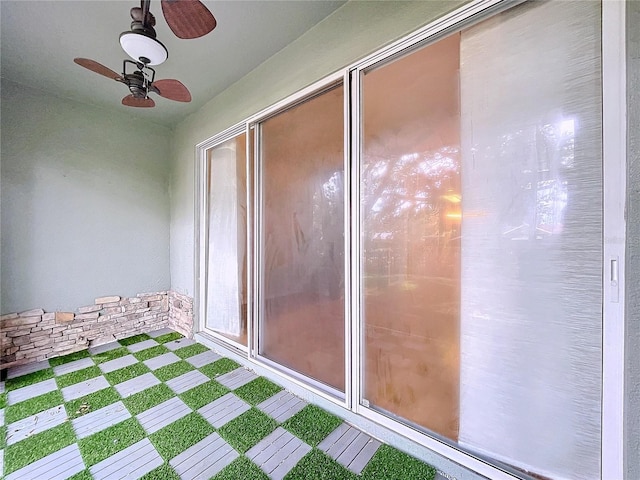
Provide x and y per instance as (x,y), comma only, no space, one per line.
(278,453)
(333,436)
(132,462)
(1,460)
(293,456)
(335,449)
(35,424)
(1,419)
(2,387)
(187,381)
(138,347)
(354,448)
(236,378)
(162,360)
(204,358)
(135,385)
(73,366)
(162,415)
(350,447)
(282,406)
(180,343)
(26,369)
(205,459)
(118,363)
(362,459)
(223,410)
(59,465)
(159,333)
(100,419)
(84,388)
(106,347)
(269,445)
(31,391)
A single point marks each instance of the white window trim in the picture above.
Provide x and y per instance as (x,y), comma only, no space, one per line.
(202,234)
(328,393)
(614,129)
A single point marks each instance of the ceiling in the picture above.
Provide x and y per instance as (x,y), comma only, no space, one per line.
(40,39)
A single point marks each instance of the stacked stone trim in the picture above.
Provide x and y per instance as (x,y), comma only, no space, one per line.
(36,335)
(181,313)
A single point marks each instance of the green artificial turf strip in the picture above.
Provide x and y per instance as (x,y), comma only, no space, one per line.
(312,424)
(242,468)
(28,379)
(219,367)
(92,402)
(126,373)
(191,350)
(175,438)
(78,376)
(3,400)
(3,437)
(168,337)
(110,441)
(110,355)
(134,339)
(389,463)
(151,352)
(163,472)
(173,370)
(54,362)
(83,475)
(315,465)
(34,405)
(203,394)
(257,391)
(38,446)
(148,398)
(248,429)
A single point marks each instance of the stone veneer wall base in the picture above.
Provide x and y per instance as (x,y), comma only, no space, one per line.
(36,335)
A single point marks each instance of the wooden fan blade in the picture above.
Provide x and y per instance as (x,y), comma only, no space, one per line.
(188,18)
(131,101)
(172,89)
(97,68)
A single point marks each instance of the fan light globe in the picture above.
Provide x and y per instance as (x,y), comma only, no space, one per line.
(138,45)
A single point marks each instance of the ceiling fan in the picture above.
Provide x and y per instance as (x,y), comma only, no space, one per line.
(186,19)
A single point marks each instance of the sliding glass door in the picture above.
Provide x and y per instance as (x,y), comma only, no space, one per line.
(481,238)
(469,212)
(301,261)
(411,198)
(226,244)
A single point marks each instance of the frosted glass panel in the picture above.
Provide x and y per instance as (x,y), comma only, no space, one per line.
(227,240)
(532,238)
(302,238)
(411,237)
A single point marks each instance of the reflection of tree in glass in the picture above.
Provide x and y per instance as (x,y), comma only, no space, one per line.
(412,211)
(395,187)
(537,158)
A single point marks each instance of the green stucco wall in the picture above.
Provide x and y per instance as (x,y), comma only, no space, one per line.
(85,203)
(632,334)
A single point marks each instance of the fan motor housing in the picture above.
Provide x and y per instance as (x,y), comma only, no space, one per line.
(137,84)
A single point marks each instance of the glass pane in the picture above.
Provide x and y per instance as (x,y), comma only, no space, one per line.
(481,218)
(411,237)
(302,238)
(227,240)
(532,238)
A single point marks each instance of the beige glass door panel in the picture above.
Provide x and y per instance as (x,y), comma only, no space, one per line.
(301,324)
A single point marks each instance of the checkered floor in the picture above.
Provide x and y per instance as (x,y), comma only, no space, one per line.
(163,406)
